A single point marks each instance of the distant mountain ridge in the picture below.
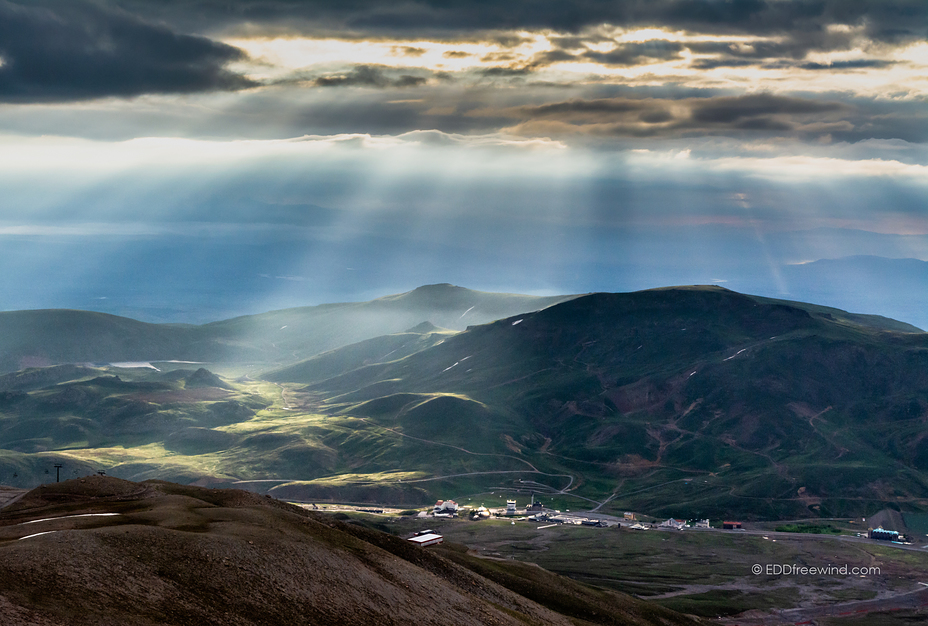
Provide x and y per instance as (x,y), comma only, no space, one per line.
(896,288)
(42,338)
(50,337)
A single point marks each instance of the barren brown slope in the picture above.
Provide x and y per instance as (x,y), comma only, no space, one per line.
(186,555)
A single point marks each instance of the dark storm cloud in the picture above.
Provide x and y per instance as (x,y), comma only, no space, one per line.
(689,117)
(507,40)
(793,48)
(848,65)
(603,106)
(554,56)
(789,51)
(884,20)
(369,76)
(663,113)
(506,71)
(711,64)
(623,55)
(60,51)
(409,51)
(736,109)
(637,53)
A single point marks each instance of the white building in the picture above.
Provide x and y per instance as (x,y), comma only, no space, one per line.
(678,524)
(428,539)
(446,506)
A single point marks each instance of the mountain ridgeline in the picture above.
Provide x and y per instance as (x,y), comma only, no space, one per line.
(51,337)
(690,401)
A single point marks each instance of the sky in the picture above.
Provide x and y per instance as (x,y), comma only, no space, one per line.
(187,161)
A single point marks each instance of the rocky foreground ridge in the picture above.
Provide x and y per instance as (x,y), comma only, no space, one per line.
(101,550)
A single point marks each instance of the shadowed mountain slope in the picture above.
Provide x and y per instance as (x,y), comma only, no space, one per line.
(795,408)
(158,553)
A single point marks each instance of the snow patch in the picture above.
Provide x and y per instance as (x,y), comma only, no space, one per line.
(735,354)
(48,519)
(47,532)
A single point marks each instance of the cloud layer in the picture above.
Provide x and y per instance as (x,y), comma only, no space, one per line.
(223,148)
(881,20)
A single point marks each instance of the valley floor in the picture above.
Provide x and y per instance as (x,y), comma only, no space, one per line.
(711,573)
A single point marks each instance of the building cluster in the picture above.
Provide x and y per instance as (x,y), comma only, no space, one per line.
(535,512)
(557,518)
(679,524)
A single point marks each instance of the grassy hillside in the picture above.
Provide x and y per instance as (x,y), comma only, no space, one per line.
(160,553)
(42,338)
